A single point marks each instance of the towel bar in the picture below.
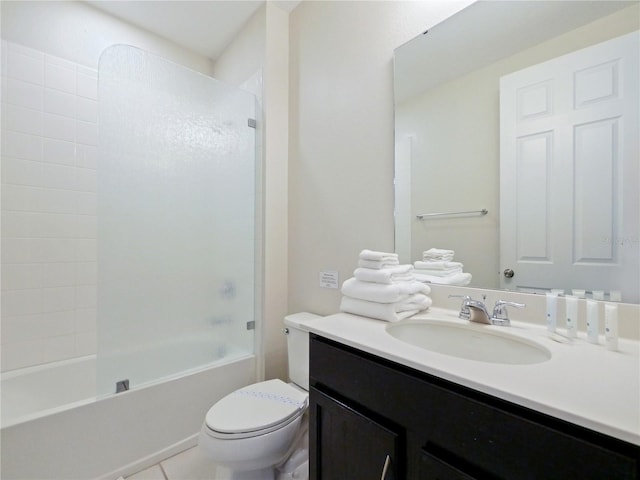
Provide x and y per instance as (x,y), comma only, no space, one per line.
(422,216)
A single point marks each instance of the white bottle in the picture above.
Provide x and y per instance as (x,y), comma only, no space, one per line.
(552,311)
(611,326)
(571,304)
(592,321)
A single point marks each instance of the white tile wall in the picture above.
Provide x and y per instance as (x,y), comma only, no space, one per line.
(49,158)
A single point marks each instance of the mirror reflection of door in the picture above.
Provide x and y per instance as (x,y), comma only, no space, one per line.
(569,171)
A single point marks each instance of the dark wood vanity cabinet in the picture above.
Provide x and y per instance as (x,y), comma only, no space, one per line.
(366,411)
(352,445)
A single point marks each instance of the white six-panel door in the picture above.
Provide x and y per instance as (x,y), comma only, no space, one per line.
(569,175)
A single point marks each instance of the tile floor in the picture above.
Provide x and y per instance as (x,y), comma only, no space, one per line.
(188,465)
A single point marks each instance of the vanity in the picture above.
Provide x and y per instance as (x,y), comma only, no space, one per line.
(382,407)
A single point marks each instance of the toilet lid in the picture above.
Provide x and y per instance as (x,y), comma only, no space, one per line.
(256,407)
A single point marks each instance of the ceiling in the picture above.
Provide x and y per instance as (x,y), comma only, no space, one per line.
(204,26)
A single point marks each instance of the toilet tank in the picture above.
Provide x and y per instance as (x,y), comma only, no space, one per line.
(298,347)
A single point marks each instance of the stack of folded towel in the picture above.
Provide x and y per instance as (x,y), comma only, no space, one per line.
(437,266)
(438,255)
(382,288)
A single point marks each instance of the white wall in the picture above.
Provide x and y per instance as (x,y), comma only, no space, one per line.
(350,60)
(49,137)
(78,32)
(49,155)
(245,54)
(276,193)
(341,136)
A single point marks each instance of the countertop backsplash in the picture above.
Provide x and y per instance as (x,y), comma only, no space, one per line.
(535,309)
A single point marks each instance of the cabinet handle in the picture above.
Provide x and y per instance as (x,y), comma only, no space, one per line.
(385,467)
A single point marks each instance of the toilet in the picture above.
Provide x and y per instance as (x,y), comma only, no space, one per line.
(260,427)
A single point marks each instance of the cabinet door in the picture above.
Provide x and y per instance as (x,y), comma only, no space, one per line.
(346,444)
(435,467)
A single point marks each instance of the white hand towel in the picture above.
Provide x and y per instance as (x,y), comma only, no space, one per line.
(377,264)
(437,265)
(381,311)
(380,293)
(438,254)
(400,273)
(458,279)
(377,256)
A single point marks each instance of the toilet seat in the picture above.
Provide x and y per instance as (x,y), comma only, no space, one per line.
(256,410)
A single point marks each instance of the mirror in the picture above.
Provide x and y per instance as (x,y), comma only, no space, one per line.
(447,124)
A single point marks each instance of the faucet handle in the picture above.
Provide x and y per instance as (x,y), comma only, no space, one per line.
(500,311)
(465,313)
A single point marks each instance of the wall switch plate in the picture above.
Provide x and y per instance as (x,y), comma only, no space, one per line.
(329,279)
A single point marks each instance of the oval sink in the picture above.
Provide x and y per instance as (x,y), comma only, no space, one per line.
(472,342)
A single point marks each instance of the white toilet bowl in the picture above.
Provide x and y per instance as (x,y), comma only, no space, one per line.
(252,430)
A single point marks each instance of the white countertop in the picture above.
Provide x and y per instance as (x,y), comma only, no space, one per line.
(582,383)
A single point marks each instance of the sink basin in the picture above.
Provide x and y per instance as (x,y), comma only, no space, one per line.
(469,341)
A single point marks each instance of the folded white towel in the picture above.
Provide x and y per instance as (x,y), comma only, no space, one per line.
(417,300)
(399,273)
(437,265)
(458,279)
(390,312)
(377,256)
(438,273)
(438,254)
(381,293)
(378,264)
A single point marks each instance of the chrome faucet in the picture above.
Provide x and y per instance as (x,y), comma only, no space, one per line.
(476,311)
(472,310)
(500,315)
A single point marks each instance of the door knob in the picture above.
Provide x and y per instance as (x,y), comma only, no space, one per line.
(509,273)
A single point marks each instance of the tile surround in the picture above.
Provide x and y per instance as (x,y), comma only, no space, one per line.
(49,160)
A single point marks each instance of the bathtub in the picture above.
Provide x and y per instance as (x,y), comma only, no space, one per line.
(54,426)
(35,392)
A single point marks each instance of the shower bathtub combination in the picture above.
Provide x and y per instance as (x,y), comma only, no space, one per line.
(175,277)
(103,438)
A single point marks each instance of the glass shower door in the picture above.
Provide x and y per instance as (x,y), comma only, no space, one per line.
(176,209)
